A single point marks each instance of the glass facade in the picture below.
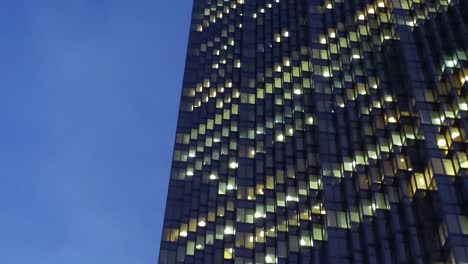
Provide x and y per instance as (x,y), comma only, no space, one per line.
(322,131)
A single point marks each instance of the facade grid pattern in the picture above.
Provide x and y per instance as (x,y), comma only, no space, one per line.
(322,131)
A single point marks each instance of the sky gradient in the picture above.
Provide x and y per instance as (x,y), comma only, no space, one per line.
(89,95)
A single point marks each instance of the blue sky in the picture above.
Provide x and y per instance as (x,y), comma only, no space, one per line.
(89,94)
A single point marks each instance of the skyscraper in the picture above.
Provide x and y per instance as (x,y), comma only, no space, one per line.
(322,131)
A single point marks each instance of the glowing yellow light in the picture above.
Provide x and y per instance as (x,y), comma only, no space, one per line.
(463,106)
(213,177)
(268,259)
(356,56)
(391,119)
(277,38)
(260,191)
(381,4)
(451,63)
(361,17)
(233,165)
(371,10)
(455,134)
(228,231)
(323,40)
(230,187)
(441,142)
(297,91)
(329,6)
(303,242)
(202,223)
(280,137)
(190,173)
(183,233)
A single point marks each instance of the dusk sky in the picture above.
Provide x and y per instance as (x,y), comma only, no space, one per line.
(89,94)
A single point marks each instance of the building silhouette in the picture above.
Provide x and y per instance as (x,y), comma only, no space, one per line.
(322,131)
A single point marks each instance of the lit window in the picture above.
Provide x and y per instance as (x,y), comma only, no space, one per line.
(229,230)
(463,106)
(259,215)
(277,37)
(280,137)
(450,63)
(455,133)
(228,253)
(270,259)
(441,142)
